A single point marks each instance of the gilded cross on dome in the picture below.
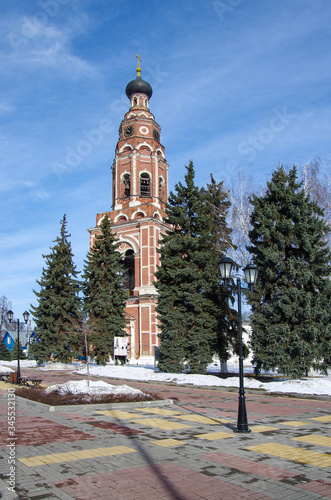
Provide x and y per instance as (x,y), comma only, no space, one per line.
(138,68)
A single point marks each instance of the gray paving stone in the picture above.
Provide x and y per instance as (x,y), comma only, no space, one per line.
(188,456)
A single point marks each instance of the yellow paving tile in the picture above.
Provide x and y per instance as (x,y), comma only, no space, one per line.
(294,423)
(212,436)
(168,443)
(325,418)
(7,385)
(199,418)
(162,424)
(38,462)
(118,414)
(160,411)
(297,454)
(315,439)
(77,455)
(263,428)
(29,462)
(72,454)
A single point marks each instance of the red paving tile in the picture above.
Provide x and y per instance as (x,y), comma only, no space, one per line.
(280,410)
(308,403)
(162,482)
(319,486)
(35,431)
(3,408)
(245,465)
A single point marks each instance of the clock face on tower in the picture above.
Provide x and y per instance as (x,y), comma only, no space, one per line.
(156,135)
(128,131)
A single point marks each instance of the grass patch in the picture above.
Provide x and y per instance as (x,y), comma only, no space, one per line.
(55,398)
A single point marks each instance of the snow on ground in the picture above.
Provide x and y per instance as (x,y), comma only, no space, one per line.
(56,366)
(317,385)
(24,363)
(5,369)
(92,387)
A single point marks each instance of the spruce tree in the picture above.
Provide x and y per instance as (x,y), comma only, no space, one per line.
(13,354)
(186,281)
(291,323)
(104,294)
(226,338)
(4,352)
(59,305)
(219,205)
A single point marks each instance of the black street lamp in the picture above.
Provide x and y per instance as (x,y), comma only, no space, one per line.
(226,264)
(10,315)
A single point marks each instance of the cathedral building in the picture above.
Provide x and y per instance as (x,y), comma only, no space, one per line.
(139,195)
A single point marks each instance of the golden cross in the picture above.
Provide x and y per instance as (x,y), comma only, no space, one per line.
(138,68)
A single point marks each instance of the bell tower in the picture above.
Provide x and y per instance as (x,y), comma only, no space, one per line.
(139,197)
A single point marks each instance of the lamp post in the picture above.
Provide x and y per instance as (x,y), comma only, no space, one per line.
(250,271)
(10,315)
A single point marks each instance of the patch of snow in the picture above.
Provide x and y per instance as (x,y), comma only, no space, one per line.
(24,363)
(94,387)
(57,366)
(320,386)
(6,369)
(316,385)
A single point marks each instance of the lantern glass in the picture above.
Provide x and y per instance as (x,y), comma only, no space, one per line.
(10,315)
(226,264)
(250,274)
(26,316)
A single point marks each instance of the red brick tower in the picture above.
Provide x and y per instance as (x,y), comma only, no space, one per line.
(140,192)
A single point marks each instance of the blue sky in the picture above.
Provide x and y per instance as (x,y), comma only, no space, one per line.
(236,83)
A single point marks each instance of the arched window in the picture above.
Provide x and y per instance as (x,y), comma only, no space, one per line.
(121,219)
(129,271)
(145,185)
(126,180)
(161,188)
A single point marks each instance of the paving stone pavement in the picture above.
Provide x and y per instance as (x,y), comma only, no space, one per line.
(187,450)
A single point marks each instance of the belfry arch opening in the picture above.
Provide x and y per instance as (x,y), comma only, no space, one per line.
(145,185)
(128,264)
(127,185)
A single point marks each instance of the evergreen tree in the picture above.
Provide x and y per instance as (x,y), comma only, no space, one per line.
(104,294)
(291,324)
(219,206)
(59,305)
(186,282)
(4,352)
(13,353)
(226,339)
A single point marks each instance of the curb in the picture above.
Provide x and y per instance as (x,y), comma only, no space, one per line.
(104,406)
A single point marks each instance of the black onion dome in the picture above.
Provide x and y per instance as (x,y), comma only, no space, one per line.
(138,85)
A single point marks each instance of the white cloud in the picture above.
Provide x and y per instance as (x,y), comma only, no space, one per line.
(45,45)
